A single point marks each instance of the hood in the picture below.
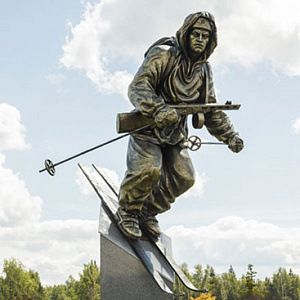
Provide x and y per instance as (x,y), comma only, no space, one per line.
(184,31)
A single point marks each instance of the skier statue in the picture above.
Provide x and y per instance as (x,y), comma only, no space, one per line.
(159,169)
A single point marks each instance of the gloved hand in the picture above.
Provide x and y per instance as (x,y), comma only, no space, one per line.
(235,144)
(166,116)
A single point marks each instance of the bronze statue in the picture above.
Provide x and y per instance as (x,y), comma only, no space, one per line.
(159,169)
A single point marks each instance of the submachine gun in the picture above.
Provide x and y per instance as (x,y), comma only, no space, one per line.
(131,121)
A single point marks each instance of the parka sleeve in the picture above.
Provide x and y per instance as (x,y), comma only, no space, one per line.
(219,125)
(143,90)
(217,122)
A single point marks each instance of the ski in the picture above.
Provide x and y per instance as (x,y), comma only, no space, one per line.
(159,246)
(110,207)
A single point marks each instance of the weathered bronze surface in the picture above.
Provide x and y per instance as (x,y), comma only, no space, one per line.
(174,78)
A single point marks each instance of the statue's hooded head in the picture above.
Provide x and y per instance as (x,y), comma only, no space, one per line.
(203,21)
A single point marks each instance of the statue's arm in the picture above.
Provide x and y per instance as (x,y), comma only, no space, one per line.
(218,123)
(210,90)
(142,91)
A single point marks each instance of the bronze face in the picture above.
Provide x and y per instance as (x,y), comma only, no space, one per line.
(198,41)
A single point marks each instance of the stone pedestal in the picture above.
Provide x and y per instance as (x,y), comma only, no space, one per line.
(123,276)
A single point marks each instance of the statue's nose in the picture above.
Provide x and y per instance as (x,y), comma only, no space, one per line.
(200,37)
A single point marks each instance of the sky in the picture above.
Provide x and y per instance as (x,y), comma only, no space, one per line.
(64,71)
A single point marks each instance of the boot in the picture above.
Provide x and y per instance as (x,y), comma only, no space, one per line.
(129,224)
(149,223)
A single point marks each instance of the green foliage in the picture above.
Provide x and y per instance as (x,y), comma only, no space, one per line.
(179,289)
(67,291)
(89,283)
(231,286)
(282,286)
(18,283)
(86,288)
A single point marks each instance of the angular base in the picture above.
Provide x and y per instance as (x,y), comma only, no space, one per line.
(123,276)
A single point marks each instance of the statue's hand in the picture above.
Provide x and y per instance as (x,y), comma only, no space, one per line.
(235,144)
(166,116)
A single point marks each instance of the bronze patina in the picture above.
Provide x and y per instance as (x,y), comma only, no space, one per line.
(175,73)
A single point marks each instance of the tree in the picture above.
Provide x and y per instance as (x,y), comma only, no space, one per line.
(89,283)
(294,291)
(231,286)
(179,288)
(285,285)
(248,283)
(261,289)
(57,292)
(198,278)
(215,285)
(18,283)
(250,279)
(86,288)
(67,291)
(231,271)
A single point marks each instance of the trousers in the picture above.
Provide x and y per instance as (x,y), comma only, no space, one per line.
(156,175)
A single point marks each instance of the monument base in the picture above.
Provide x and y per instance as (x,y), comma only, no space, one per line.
(123,276)
(132,269)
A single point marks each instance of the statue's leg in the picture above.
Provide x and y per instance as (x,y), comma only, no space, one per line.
(178,175)
(144,162)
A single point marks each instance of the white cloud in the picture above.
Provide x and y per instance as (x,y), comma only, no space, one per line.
(238,242)
(197,189)
(248,25)
(12,134)
(296,126)
(113,32)
(86,188)
(57,248)
(84,51)
(17,206)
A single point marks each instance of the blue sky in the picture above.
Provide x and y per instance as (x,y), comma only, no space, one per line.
(64,71)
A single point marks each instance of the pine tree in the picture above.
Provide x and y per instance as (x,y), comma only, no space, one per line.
(89,283)
(231,286)
(231,271)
